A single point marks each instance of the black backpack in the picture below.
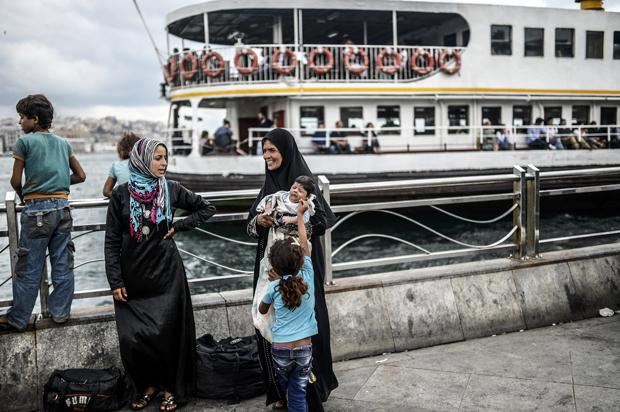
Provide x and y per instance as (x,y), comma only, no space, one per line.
(228,369)
(85,390)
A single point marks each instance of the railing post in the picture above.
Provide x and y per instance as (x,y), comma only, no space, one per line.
(326,239)
(519,215)
(12,229)
(533,212)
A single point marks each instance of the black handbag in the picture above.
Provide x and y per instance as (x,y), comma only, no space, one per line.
(228,369)
(85,390)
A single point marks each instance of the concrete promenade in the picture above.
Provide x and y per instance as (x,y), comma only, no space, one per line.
(568,367)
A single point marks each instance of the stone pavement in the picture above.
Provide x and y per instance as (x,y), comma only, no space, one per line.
(568,367)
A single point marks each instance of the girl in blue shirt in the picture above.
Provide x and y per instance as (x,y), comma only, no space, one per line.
(292,294)
(119,171)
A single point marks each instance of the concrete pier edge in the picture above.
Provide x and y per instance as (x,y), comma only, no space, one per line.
(369,315)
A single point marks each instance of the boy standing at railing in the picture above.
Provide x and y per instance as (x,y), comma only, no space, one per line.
(50,168)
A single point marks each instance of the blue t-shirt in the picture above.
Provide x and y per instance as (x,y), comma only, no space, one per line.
(299,323)
(120,171)
(46,159)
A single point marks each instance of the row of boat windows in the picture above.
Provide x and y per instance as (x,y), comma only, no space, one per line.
(424,117)
(534,42)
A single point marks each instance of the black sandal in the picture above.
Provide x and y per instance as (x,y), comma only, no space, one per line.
(168,404)
(142,401)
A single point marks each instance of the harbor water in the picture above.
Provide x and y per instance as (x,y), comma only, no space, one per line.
(89,247)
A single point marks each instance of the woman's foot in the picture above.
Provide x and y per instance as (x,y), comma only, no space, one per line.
(143,400)
(169,403)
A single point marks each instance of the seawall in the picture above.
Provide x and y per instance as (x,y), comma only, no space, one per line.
(369,315)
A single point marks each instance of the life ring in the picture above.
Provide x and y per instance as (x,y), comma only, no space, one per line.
(171,68)
(395,67)
(246,70)
(284,69)
(213,72)
(457,61)
(358,68)
(430,62)
(193,60)
(329,60)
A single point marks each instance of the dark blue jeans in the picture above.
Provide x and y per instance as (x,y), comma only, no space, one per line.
(293,372)
(45,224)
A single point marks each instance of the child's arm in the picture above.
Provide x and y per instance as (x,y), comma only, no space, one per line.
(263,308)
(78,175)
(108,186)
(301,227)
(16,178)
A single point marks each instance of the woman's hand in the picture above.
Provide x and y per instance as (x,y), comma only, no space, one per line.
(120,294)
(170,233)
(264,220)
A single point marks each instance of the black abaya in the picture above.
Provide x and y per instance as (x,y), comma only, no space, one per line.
(155,326)
(293,165)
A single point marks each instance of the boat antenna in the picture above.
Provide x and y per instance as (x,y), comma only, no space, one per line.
(157,52)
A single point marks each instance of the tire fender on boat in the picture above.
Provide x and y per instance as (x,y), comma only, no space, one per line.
(427,56)
(329,60)
(393,68)
(281,68)
(213,72)
(193,61)
(443,65)
(356,68)
(246,70)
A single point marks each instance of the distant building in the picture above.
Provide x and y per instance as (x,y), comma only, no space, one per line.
(8,137)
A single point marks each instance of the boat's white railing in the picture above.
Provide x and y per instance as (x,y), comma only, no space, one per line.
(289,63)
(520,213)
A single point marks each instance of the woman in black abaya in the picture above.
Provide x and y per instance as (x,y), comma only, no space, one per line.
(154,316)
(284,163)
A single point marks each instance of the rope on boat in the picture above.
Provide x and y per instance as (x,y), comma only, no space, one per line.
(477,221)
(245,272)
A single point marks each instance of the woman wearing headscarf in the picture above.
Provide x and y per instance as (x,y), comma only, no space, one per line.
(154,316)
(283,164)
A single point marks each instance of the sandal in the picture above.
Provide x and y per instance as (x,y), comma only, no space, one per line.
(168,404)
(142,401)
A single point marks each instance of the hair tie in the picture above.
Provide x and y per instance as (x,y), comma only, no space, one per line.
(285,277)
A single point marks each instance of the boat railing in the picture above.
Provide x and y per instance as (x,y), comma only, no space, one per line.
(436,138)
(290,64)
(519,215)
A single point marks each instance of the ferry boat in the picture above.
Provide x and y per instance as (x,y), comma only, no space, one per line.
(432,82)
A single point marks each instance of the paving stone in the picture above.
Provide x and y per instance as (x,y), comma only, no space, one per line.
(351,381)
(596,399)
(596,370)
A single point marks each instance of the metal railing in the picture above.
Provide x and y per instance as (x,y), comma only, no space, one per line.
(521,236)
(292,63)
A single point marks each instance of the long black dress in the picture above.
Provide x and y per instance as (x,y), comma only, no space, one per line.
(293,165)
(156,332)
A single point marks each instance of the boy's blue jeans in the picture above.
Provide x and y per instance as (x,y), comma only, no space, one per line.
(45,223)
(293,372)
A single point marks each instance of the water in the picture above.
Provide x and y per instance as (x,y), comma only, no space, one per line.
(89,247)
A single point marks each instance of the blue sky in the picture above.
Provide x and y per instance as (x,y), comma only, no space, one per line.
(93,58)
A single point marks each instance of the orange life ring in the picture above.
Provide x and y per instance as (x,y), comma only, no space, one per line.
(457,61)
(358,68)
(246,70)
(213,72)
(283,69)
(394,68)
(171,68)
(193,60)
(327,66)
(430,62)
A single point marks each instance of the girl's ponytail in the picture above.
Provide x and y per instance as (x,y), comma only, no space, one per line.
(286,258)
(292,289)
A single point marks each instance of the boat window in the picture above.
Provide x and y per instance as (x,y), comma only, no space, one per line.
(564,42)
(310,117)
(449,40)
(617,45)
(352,116)
(580,115)
(388,116)
(336,26)
(458,117)
(534,41)
(554,113)
(594,44)
(501,40)
(431,29)
(609,115)
(493,114)
(251,26)
(424,120)
(521,116)
(180,128)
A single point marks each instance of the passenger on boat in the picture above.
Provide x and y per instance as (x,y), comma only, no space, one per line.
(568,138)
(152,303)
(551,133)
(319,139)
(224,143)
(119,171)
(370,142)
(502,138)
(50,167)
(283,164)
(337,140)
(536,135)
(206,143)
(488,136)
(596,137)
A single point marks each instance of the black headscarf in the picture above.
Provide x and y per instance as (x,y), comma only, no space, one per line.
(293,165)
